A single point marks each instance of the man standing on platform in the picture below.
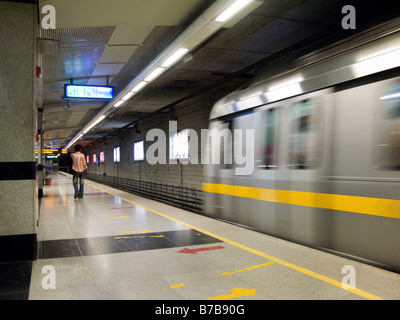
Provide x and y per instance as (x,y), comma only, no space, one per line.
(79,170)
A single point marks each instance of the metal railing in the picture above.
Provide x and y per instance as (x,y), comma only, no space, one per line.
(187,198)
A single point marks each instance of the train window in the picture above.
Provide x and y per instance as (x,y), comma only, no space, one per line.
(387,147)
(305,140)
(271,146)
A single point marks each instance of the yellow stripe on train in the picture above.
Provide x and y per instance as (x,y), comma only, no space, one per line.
(389,208)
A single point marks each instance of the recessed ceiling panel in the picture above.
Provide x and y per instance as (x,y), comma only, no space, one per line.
(93,13)
(79,37)
(117,54)
(126,34)
(107,69)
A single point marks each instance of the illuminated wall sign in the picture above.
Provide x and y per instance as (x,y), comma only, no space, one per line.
(48,151)
(117,154)
(138,151)
(101,156)
(179,145)
(88,92)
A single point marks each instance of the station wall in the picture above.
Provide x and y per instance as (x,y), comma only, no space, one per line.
(192,114)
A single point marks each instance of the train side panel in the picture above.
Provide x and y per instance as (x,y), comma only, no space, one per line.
(356,171)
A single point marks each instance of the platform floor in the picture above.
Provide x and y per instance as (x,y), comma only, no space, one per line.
(115,245)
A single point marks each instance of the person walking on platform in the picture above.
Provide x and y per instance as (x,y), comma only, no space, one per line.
(79,169)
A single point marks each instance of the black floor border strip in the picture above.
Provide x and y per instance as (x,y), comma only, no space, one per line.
(15,280)
(64,248)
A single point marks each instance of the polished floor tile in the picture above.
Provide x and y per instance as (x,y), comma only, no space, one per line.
(72,280)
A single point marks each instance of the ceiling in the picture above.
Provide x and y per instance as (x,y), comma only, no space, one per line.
(110,42)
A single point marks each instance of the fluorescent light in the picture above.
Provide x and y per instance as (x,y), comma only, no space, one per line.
(94,123)
(128,96)
(101,118)
(175,57)
(75,140)
(390,96)
(119,103)
(154,74)
(232,10)
(139,86)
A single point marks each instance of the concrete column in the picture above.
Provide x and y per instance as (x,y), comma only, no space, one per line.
(18,125)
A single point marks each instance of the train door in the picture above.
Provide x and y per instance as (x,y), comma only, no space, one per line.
(267,164)
(300,217)
(226,168)
(220,170)
(243,151)
(216,172)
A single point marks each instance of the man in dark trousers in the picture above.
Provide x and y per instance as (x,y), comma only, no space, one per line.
(79,169)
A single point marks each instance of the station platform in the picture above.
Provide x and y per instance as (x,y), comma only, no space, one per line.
(113,245)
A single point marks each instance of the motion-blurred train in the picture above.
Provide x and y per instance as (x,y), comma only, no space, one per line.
(327,151)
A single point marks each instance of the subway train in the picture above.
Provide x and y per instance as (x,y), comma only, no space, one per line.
(326,137)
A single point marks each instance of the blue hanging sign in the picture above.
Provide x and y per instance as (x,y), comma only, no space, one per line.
(88,92)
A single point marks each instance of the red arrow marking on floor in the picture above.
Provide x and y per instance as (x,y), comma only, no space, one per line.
(194,251)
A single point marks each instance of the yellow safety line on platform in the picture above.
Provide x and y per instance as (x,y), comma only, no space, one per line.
(257,252)
(176,286)
(236,293)
(249,268)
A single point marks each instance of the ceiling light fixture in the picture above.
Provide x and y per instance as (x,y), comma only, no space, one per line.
(73,141)
(154,74)
(128,96)
(118,103)
(175,57)
(232,10)
(139,87)
(101,118)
